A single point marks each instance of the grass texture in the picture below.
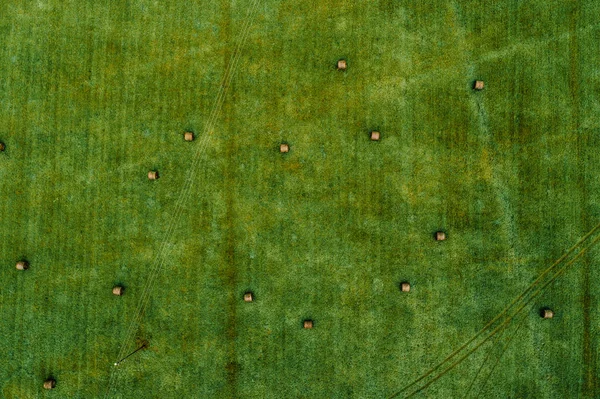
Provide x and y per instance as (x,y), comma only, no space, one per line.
(93,94)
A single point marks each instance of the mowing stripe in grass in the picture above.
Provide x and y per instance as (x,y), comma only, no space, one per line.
(161,255)
(163,251)
(590,378)
(228,268)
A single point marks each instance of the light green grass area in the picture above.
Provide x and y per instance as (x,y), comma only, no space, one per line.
(94,94)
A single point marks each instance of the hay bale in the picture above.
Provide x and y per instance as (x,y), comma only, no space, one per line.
(283,148)
(307,324)
(22,265)
(118,290)
(248,297)
(478,85)
(404,287)
(153,175)
(375,136)
(188,136)
(440,236)
(342,65)
(2,146)
(547,313)
(50,383)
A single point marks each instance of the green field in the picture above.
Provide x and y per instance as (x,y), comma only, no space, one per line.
(94,94)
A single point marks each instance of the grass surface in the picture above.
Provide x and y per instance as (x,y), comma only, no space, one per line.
(95,94)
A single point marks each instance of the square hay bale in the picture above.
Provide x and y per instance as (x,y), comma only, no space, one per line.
(248,297)
(153,175)
(405,287)
(188,136)
(342,65)
(283,148)
(118,290)
(440,236)
(2,146)
(478,85)
(375,135)
(307,324)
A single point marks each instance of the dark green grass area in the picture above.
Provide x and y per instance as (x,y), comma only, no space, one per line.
(93,94)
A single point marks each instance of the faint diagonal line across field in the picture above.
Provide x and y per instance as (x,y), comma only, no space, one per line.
(524,48)
(166,246)
(508,342)
(487,357)
(497,340)
(505,313)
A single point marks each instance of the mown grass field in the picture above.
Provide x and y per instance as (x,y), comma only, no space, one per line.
(93,94)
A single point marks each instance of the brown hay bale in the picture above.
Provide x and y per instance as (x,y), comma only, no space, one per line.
(404,287)
(440,236)
(248,297)
(118,290)
(2,146)
(375,136)
(342,65)
(50,383)
(283,148)
(22,265)
(547,313)
(478,85)
(307,324)
(153,175)
(188,136)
